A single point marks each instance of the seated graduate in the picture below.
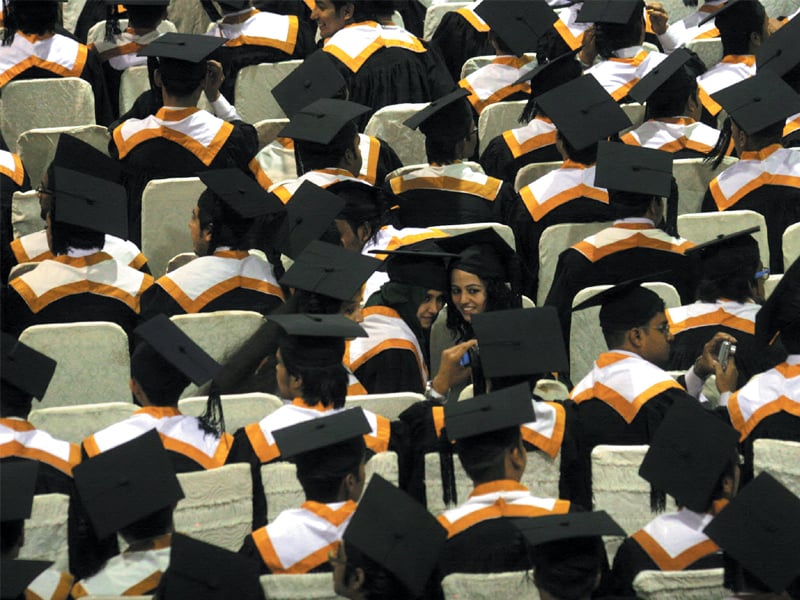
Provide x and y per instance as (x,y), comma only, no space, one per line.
(692,457)
(179,140)
(569,557)
(460,35)
(162,365)
(13,178)
(81,282)
(689,28)
(72,153)
(753,531)
(316,79)
(673,109)
(584,114)
(225,225)
(390,548)
(774,56)
(27,373)
(481,534)
(329,454)
(253,37)
(729,296)
(24,578)
(448,190)
(131,490)
(637,180)
(766,179)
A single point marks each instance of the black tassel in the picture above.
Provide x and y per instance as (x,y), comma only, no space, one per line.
(658,500)
(213,419)
(671,225)
(449,492)
(112,22)
(8,22)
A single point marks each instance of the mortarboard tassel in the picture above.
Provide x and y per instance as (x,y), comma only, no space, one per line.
(213,419)
(449,492)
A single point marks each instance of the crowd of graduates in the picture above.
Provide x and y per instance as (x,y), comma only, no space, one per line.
(327,234)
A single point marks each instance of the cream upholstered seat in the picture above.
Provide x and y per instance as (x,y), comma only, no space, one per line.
(76,423)
(434,14)
(308,586)
(779,458)
(239,409)
(46,530)
(385,405)
(26,213)
(387,124)
(497,118)
(699,584)
(703,227)
(532,172)
(791,245)
(253,100)
(489,586)
(693,176)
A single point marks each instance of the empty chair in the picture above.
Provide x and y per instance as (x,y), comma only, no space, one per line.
(386,405)
(46,530)
(703,227)
(76,423)
(93,362)
(434,14)
(709,50)
(497,118)
(698,584)
(779,458)
(218,505)
(253,100)
(530,173)
(239,409)
(308,586)
(387,124)
(267,129)
(133,82)
(489,586)
(791,245)
(693,176)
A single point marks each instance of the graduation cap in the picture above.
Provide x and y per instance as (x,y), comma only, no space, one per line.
(17,488)
(727,253)
(659,75)
(626,168)
(727,6)
(240,193)
(319,326)
(759,101)
(483,253)
(322,432)
(125,484)
(316,78)
(569,526)
(25,368)
(780,52)
(548,75)
(518,24)
(583,111)
(77,155)
(688,454)
(330,270)
(520,342)
(204,571)
(489,412)
(18,575)
(440,110)
(420,264)
(781,311)
(759,529)
(627,304)
(309,213)
(608,11)
(320,121)
(398,533)
(182,56)
(90,202)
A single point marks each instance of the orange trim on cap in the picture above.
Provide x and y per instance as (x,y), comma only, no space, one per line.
(638,240)
(40,63)
(371,175)
(380,441)
(745,428)
(666,562)
(65,466)
(717,317)
(265,451)
(487,191)
(621,405)
(539,211)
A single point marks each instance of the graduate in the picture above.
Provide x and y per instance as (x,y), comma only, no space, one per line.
(13,178)
(778,55)
(460,35)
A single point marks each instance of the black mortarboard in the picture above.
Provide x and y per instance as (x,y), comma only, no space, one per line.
(90,202)
(186,47)
(18,575)
(626,168)
(608,11)
(659,75)
(25,368)
(18,479)
(759,529)
(77,155)
(398,533)
(759,101)
(725,9)
(316,78)
(204,571)
(421,264)
(688,454)
(727,253)
(309,213)
(178,349)
(782,309)
(329,326)
(541,77)
(483,253)
(125,484)
(241,193)
(551,528)
(520,342)
(490,412)
(518,24)
(439,107)
(626,304)
(583,111)
(330,270)
(780,52)
(322,432)
(320,121)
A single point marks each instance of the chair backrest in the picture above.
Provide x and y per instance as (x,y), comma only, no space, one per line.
(166,206)
(218,505)
(187,16)
(308,586)
(21,269)
(385,465)
(704,227)
(504,231)
(239,409)
(93,362)
(46,530)
(400,171)
(497,118)
(26,213)
(555,239)
(474,63)
(770,284)
(489,586)
(76,423)
(532,172)
(693,176)
(434,14)
(779,458)
(37,147)
(387,124)
(268,129)
(253,100)
(635,112)
(791,245)
(219,333)
(779,8)
(179,260)
(586,340)
(386,405)
(34,103)
(709,51)
(97,32)
(677,10)
(697,584)
(133,82)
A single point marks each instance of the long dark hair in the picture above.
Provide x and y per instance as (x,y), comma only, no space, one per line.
(499,296)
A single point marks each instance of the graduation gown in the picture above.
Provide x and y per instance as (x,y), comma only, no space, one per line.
(689,29)
(495,82)
(508,153)
(682,136)
(276,162)
(565,195)
(766,181)
(299,539)
(76,288)
(449,194)
(791,132)
(321,177)
(45,57)
(50,584)
(619,75)
(460,35)
(177,142)
(225,280)
(732,69)
(13,178)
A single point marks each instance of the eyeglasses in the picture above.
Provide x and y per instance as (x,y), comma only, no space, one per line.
(662,329)
(763,274)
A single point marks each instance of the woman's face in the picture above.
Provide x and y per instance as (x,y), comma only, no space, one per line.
(468,293)
(282,377)
(328,19)
(430,308)
(352,309)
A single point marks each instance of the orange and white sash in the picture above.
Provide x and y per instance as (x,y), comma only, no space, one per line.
(547,431)
(570,181)
(540,132)
(673,135)
(462,177)
(626,236)
(469,15)
(34,248)
(728,71)
(121,51)
(50,584)
(676,540)
(11,167)
(355,43)
(495,81)
(260,29)
(735,315)
(792,125)
(618,75)
(570,30)
(20,438)
(55,53)
(320,177)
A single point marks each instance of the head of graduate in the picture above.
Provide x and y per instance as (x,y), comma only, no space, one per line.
(31,18)
(448,123)
(614,30)
(333,15)
(743,27)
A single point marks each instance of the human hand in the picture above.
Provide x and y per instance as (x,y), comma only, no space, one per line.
(589,50)
(214,79)
(707,363)
(659,19)
(727,379)
(450,370)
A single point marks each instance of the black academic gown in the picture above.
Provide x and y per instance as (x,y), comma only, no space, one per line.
(49,480)
(10,182)
(250,550)
(157,301)
(457,40)
(499,161)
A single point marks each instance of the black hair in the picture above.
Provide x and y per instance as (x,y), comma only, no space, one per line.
(145,17)
(227,227)
(311,155)
(66,236)
(501,44)
(14,402)
(628,205)
(672,96)
(549,47)
(11,533)
(615,337)
(499,296)
(584,156)
(568,569)
(191,76)
(154,524)
(762,138)
(379,583)
(736,23)
(610,37)
(483,456)
(321,475)
(729,472)
(161,381)
(737,286)
(38,18)
(364,205)
(444,131)
(322,385)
